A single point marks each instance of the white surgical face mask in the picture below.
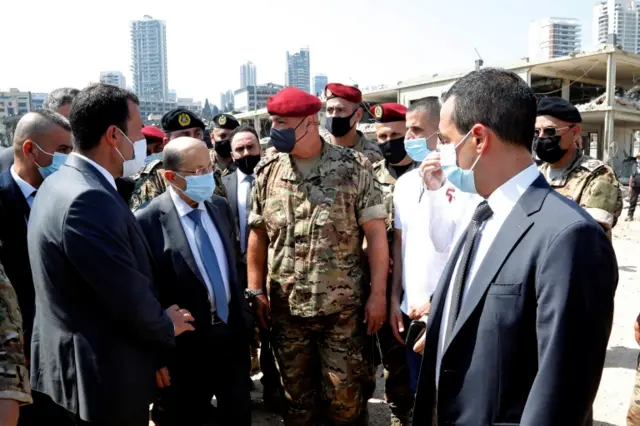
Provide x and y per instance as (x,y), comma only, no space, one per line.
(133,166)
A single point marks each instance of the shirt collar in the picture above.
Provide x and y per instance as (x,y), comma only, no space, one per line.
(25,187)
(101,169)
(504,199)
(181,206)
(242,176)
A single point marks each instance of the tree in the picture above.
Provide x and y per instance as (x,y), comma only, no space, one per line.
(206,111)
(214,110)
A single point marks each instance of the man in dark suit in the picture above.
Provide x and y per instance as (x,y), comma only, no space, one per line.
(41,143)
(192,238)
(520,320)
(99,331)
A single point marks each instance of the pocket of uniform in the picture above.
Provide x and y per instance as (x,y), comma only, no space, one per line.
(275,214)
(505,289)
(323,210)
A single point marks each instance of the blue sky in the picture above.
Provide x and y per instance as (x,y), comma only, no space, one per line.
(68,42)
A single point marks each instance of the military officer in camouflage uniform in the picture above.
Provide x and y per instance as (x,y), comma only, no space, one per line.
(344,112)
(14,376)
(150,182)
(313,203)
(585,180)
(223,125)
(390,131)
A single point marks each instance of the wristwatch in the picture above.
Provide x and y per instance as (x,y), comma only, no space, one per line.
(251,294)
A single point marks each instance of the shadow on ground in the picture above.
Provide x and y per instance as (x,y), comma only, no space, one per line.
(621,357)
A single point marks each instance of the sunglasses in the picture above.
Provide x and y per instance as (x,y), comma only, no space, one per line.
(550,132)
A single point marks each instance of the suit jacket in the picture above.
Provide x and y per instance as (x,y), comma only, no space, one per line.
(99,327)
(231,185)
(6,158)
(529,344)
(14,255)
(180,279)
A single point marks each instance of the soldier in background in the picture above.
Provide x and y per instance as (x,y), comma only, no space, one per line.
(150,182)
(313,203)
(344,112)
(634,189)
(223,125)
(587,181)
(14,376)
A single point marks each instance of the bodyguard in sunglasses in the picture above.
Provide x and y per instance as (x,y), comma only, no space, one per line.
(587,181)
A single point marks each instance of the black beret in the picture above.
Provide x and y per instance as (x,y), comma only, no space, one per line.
(225,121)
(559,108)
(180,119)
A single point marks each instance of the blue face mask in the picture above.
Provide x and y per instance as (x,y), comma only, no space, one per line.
(284,140)
(58,160)
(417,149)
(199,188)
(461,179)
(153,157)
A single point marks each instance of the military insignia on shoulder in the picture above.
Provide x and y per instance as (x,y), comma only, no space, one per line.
(184,120)
(222,120)
(592,164)
(149,167)
(378,112)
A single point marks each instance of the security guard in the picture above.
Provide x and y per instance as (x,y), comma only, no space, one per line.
(344,112)
(587,181)
(150,182)
(223,125)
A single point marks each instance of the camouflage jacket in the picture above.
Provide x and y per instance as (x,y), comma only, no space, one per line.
(222,165)
(14,376)
(368,148)
(314,226)
(593,185)
(150,182)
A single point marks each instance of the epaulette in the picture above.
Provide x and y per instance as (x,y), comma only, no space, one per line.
(591,164)
(269,158)
(148,168)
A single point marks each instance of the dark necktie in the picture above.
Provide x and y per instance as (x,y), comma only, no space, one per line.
(208,255)
(481,214)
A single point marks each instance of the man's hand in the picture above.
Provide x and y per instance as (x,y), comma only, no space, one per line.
(417,312)
(431,172)
(162,378)
(9,412)
(636,328)
(396,321)
(419,346)
(375,312)
(181,319)
(261,305)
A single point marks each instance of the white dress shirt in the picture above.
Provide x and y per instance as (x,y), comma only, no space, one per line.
(101,169)
(28,191)
(189,228)
(501,201)
(244,187)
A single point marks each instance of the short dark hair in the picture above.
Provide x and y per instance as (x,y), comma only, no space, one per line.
(60,97)
(95,109)
(498,99)
(430,104)
(244,128)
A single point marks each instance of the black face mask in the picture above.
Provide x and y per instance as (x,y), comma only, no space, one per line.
(223,148)
(339,126)
(248,163)
(393,150)
(548,149)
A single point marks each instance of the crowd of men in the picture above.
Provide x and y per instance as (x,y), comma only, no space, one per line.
(150,263)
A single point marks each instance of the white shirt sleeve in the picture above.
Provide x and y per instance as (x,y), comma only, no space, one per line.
(445,211)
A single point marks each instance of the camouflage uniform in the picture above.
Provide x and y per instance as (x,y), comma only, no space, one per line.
(221,164)
(315,280)
(394,357)
(150,182)
(368,148)
(593,185)
(14,376)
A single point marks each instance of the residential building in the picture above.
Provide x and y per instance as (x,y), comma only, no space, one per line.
(226,101)
(191,105)
(114,78)
(553,38)
(298,70)
(37,100)
(14,102)
(247,75)
(149,59)
(619,18)
(252,98)
(150,109)
(319,82)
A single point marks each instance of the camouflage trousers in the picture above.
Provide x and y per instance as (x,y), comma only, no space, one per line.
(633,415)
(321,365)
(397,391)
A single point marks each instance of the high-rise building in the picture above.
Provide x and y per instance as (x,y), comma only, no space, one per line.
(619,18)
(554,37)
(14,102)
(298,70)
(149,59)
(247,75)
(114,78)
(226,101)
(319,82)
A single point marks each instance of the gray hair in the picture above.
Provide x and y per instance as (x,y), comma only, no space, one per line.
(430,105)
(59,98)
(36,124)
(171,158)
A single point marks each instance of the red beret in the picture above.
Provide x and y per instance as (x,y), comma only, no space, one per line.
(293,102)
(348,93)
(387,113)
(152,132)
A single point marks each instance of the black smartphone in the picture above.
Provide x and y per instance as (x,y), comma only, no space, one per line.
(415,330)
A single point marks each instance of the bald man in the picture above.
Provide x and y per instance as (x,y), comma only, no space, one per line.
(192,236)
(41,143)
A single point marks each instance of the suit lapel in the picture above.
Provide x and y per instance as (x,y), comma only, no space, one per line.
(15,198)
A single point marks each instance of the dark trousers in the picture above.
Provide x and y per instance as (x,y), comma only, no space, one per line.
(414,360)
(75,420)
(633,199)
(270,375)
(217,364)
(43,411)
